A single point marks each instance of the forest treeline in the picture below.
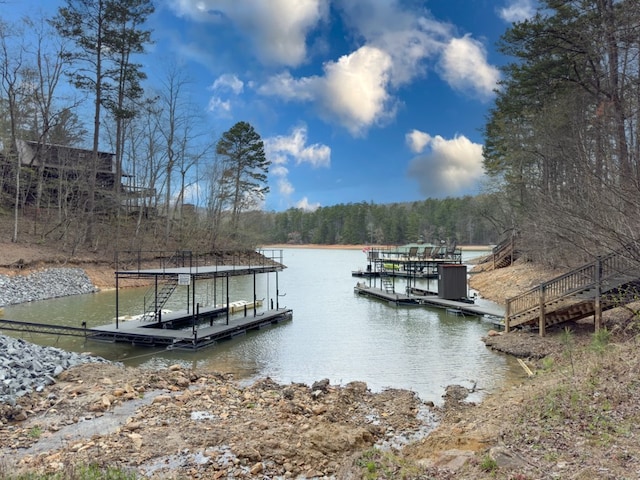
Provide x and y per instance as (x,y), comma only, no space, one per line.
(464,220)
(563,138)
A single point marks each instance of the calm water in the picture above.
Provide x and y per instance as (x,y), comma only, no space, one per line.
(334,334)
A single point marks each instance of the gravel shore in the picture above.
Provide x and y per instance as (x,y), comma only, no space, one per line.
(45,284)
(25,367)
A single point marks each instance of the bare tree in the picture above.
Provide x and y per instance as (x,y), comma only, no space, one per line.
(11,64)
(181,142)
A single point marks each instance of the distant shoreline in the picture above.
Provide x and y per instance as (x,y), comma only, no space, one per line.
(483,248)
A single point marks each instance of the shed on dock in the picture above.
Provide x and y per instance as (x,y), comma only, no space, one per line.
(452,281)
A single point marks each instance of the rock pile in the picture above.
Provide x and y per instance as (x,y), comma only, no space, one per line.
(50,283)
(25,367)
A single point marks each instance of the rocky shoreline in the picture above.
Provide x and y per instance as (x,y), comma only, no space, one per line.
(26,367)
(43,285)
(177,422)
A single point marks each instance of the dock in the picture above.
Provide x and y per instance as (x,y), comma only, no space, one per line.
(195,326)
(413,261)
(190,335)
(429,299)
(191,328)
(144,334)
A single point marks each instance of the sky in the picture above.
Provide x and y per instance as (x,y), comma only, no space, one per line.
(356,100)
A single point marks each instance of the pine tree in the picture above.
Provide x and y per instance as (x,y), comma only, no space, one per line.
(245,168)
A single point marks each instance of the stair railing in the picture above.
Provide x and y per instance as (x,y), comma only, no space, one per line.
(582,278)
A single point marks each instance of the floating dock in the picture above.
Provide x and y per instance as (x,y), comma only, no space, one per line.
(429,299)
(183,332)
(194,326)
(143,333)
(191,328)
(417,261)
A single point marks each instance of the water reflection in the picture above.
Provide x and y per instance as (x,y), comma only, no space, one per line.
(334,334)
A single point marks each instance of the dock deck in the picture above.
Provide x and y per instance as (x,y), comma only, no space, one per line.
(179,330)
(463,308)
(165,333)
(193,327)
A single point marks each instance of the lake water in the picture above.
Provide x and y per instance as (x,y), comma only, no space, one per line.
(334,334)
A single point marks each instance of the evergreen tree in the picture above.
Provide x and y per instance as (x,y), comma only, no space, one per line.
(245,168)
(562,137)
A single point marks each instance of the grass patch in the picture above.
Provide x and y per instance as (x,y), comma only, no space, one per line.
(73,472)
(488,464)
(35,432)
(378,465)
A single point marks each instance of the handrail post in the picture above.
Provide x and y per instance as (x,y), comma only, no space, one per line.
(542,320)
(507,315)
(597,304)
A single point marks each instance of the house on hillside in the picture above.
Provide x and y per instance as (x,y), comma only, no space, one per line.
(65,172)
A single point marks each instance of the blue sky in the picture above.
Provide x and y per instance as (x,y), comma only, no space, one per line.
(356,100)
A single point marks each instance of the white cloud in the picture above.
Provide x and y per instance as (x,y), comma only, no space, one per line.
(285,188)
(285,86)
(223,84)
(517,10)
(305,205)
(417,140)
(357,90)
(281,148)
(284,149)
(393,46)
(279,170)
(353,90)
(277,29)
(408,37)
(464,67)
(228,82)
(217,105)
(451,167)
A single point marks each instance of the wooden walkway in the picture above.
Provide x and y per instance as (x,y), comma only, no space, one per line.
(607,282)
(429,300)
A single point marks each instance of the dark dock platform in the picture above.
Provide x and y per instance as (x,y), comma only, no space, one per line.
(429,299)
(176,330)
(191,328)
(195,326)
(140,332)
(413,261)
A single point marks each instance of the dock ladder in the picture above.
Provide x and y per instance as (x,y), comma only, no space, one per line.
(155,299)
(387,284)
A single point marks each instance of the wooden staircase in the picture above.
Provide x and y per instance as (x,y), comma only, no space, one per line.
(606,283)
(505,253)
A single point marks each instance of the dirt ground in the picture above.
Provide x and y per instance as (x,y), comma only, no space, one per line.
(181,423)
(186,424)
